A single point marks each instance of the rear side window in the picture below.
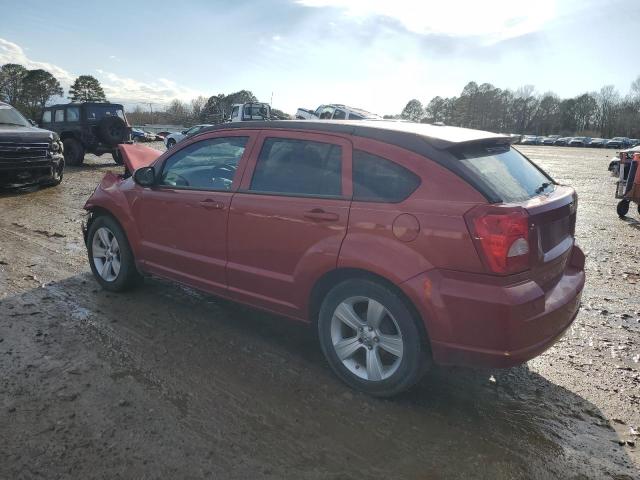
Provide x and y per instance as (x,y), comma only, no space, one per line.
(73,114)
(505,172)
(298,167)
(46,117)
(59,115)
(376,179)
(339,114)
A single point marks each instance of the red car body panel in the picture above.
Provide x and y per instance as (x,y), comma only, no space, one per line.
(270,251)
(136,156)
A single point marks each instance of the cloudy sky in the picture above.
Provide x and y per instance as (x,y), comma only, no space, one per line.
(373,54)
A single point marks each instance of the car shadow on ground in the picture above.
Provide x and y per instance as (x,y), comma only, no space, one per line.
(632,222)
(261,382)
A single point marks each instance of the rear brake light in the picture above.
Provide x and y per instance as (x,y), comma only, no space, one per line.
(501,236)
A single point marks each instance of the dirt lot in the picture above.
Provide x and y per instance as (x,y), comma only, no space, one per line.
(167,383)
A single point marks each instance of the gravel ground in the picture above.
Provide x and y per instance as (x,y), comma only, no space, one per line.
(165,382)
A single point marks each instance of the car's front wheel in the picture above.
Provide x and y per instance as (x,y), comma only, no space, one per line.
(110,255)
(73,152)
(171,143)
(370,338)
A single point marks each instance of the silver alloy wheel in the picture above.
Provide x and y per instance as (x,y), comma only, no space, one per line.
(366,338)
(106,254)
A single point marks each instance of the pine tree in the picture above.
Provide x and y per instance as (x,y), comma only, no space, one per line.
(86,89)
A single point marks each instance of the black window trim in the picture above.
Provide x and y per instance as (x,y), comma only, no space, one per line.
(160,186)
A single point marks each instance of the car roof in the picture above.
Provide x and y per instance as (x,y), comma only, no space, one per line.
(79,104)
(401,133)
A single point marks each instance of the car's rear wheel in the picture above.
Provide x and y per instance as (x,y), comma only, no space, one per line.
(110,255)
(622,208)
(370,338)
(171,143)
(73,152)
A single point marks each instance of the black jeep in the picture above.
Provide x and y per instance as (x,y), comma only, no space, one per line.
(88,128)
(28,155)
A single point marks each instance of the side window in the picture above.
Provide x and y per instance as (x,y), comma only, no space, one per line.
(355,116)
(46,117)
(339,114)
(59,116)
(193,130)
(73,114)
(326,113)
(301,167)
(376,179)
(206,165)
(235,113)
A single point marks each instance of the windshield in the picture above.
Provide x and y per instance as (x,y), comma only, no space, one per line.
(256,112)
(97,112)
(505,172)
(10,116)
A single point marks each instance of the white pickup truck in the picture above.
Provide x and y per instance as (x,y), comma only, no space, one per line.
(335,111)
(244,112)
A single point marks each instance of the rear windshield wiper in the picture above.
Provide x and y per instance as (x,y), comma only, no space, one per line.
(543,187)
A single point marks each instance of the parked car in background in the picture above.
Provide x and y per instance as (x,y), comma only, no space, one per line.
(530,140)
(245,112)
(138,135)
(614,163)
(28,155)
(618,142)
(562,141)
(579,142)
(597,142)
(89,127)
(336,111)
(549,140)
(403,243)
(172,139)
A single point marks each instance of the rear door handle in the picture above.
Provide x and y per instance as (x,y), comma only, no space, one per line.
(320,215)
(211,204)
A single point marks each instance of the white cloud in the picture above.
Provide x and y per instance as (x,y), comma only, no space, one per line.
(12,53)
(117,88)
(493,20)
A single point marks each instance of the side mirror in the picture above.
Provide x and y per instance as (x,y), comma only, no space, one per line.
(145,176)
(33,124)
(184,132)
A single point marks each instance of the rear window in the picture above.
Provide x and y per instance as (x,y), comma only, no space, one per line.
(504,171)
(46,117)
(376,179)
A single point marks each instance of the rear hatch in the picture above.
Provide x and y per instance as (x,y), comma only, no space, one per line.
(520,189)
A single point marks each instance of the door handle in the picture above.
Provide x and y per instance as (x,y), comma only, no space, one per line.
(320,215)
(211,204)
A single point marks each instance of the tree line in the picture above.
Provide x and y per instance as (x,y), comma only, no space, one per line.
(31,90)
(604,113)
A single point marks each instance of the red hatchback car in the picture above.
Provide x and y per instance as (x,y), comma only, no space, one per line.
(403,243)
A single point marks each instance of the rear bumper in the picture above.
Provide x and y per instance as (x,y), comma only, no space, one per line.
(22,173)
(474,321)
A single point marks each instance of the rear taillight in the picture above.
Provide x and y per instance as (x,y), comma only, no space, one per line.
(501,236)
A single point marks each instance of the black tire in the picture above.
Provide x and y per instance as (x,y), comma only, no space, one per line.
(117,157)
(73,152)
(622,208)
(171,143)
(410,366)
(128,275)
(112,130)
